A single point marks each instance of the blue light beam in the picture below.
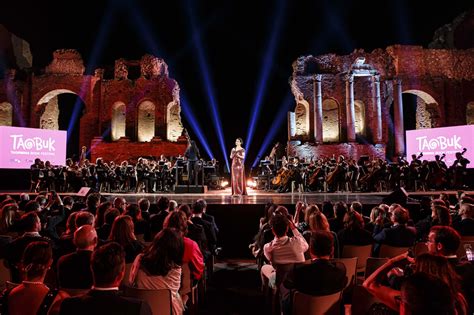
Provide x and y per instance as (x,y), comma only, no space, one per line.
(208,85)
(279,119)
(265,72)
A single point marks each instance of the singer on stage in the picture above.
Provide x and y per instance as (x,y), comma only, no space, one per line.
(238,177)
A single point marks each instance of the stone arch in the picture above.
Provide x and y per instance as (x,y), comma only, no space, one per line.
(331,128)
(6,114)
(470,113)
(428,114)
(302,118)
(359,109)
(146,121)
(118,120)
(174,127)
(62,109)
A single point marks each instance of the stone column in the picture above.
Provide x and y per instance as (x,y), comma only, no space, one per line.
(377,135)
(350,112)
(398,113)
(318,109)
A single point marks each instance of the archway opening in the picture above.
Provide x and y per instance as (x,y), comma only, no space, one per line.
(6,114)
(118,120)
(63,110)
(146,121)
(330,120)
(470,113)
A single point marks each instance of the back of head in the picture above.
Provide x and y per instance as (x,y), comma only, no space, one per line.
(32,206)
(165,253)
(198,207)
(93,201)
(110,215)
(353,221)
(203,203)
(448,237)
(144,204)
(279,224)
(84,218)
(322,243)
(30,222)
(356,206)
(37,258)
(439,267)
(442,215)
(310,209)
(122,230)
(176,220)
(328,209)
(85,237)
(108,264)
(400,215)
(422,293)
(173,205)
(340,209)
(186,210)
(68,201)
(163,203)
(317,221)
(134,211)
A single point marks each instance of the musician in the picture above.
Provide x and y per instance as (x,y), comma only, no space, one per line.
(192,155)
(36,175)
(276,153)
(459,169)
(414,170)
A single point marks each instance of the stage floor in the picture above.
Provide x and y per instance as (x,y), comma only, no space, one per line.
(262,197)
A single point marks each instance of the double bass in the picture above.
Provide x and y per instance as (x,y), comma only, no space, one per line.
(437,177)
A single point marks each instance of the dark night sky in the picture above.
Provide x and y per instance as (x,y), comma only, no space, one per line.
(234,35)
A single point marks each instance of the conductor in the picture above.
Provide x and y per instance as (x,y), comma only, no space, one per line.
(192,155)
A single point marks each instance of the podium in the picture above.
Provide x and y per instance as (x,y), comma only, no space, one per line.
(191,189)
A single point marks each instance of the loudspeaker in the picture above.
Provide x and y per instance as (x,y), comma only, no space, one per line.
(184,189)
(399,196)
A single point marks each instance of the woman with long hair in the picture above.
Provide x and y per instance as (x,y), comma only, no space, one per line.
(8,219)
(317,221)
(159,267)
(122,233)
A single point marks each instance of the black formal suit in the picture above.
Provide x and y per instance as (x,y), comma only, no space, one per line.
(465,270)
(14,252)
(210,218)
(465,227)
(321,277)
(104,302)
(104,231)
(209,230)
(197,234)
(357,237)
(156,221)
(74,271)
(397,236)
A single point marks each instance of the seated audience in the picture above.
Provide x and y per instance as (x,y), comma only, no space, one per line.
(465,224)
(9,220)
(74,269)
(282,249)
(321,277)
(398,235)
(122,233)
(353,232)
(142,228)
(31,226)
(156,220)
(159,267)
(337,223)
(108,269)
(209,229)
(104,231)
(32,296)
(144,205)
(317,222)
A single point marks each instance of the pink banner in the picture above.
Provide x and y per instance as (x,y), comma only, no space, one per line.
(436,141)
(19,147)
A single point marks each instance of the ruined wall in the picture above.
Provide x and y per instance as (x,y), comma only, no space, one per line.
(443,78)
(114,128)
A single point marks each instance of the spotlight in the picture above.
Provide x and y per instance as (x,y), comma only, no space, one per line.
(224,183)
(251,183)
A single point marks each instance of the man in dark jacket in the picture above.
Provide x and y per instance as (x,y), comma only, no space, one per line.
(398,235)
(108,269)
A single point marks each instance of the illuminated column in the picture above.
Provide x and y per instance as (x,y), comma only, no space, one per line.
(378,107)
(350,112)
(318,109)
(398,113)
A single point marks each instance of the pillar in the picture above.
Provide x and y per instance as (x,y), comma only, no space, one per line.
(350,112)
(398,113)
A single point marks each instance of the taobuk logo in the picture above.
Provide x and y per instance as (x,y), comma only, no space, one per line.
(35,143)
(438,143)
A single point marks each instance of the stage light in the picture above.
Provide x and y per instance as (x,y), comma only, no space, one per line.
(208,85)
(251,183)
(224,184)
(265,72)
(275,126)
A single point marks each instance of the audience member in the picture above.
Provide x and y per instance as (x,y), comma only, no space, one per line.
(159,267)
(74,269)
(398,235)
(32,296)
(353,232)
(122,233)
(104,231)
(465,224)
(156,220)
(108,269)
